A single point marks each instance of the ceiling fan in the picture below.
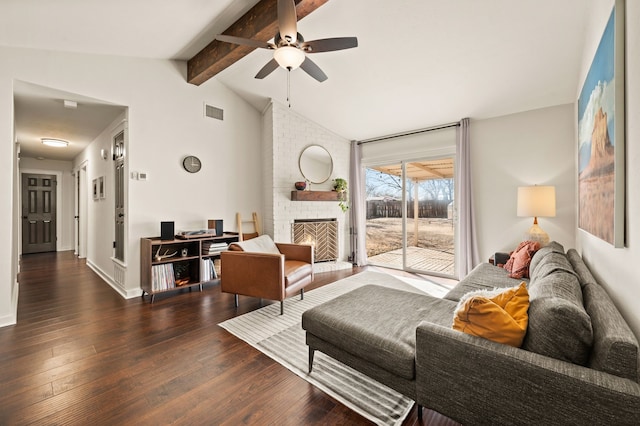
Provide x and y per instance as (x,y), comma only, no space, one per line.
(290,49)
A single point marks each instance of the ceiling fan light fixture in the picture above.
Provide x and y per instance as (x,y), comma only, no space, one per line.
(289,57)
(58,143)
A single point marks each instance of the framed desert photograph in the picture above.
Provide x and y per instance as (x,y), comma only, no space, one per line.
(601,138)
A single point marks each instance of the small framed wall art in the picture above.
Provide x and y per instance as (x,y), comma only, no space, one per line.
(95,189)
(101,189)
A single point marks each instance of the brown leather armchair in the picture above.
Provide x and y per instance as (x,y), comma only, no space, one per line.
(270,275)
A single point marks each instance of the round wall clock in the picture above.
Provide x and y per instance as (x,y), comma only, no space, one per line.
(191,164)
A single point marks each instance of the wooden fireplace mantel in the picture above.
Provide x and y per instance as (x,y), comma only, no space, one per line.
(315,196)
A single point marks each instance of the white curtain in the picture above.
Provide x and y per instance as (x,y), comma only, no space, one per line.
(466,236)
(357,207)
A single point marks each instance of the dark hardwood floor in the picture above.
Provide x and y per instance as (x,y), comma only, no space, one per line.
(81,354)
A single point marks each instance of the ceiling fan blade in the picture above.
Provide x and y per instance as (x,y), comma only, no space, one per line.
(244,41)
(267,69)
(329,44)
(313,70)
(287,20)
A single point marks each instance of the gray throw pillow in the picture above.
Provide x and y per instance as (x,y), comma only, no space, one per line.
(552,247)
(559,326)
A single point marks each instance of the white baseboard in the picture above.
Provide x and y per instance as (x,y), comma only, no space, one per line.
(12,317)
(127,294)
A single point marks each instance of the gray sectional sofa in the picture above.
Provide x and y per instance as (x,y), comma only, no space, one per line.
(578,363)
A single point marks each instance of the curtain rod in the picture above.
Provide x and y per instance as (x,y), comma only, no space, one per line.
(414,132)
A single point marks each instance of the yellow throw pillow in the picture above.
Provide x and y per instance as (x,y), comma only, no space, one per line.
(501,317)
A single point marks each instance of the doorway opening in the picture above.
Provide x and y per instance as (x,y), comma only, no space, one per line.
(410,210)
(80,211)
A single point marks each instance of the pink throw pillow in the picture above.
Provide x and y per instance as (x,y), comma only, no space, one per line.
(518,263)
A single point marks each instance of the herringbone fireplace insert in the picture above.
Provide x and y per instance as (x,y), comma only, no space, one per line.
(321,233)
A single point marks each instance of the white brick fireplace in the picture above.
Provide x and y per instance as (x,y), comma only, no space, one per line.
(321,233)
(285,135)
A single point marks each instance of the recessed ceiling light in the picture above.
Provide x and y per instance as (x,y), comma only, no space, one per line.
(58,143)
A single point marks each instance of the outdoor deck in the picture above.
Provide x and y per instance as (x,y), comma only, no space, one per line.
(421,259)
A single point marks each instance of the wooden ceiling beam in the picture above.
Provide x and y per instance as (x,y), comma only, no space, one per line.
(428,170)
(259,23)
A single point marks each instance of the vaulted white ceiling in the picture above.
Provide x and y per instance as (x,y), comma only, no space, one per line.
(419,62)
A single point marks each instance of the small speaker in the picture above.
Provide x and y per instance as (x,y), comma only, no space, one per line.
(167,231)
(215,224)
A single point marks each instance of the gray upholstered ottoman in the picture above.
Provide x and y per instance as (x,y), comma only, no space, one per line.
(373,330)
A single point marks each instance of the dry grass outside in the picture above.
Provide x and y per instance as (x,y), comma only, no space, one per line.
(385,235)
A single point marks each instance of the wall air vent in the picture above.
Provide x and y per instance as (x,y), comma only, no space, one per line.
(213,112)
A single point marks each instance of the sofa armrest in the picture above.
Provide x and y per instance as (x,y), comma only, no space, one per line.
(301,252)
(252,274)
(500,258)
(474,380)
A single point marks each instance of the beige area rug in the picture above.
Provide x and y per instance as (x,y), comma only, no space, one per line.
(282,338)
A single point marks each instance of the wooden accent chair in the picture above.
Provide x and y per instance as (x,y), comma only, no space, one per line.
(261,268)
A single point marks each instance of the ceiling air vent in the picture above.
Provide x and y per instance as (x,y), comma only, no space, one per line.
(213,112)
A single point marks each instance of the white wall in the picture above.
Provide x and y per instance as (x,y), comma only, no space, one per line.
(65,195)
(533,147)
(165,123)
(100,218)
(291,133)
(617,268)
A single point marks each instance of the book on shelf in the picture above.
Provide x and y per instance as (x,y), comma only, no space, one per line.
(212,247)
(208,271)
(162,277)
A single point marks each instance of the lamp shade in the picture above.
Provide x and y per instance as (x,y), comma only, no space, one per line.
(289,57)
(537,201)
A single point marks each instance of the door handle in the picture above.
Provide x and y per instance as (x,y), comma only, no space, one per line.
(46,221)
(32,222)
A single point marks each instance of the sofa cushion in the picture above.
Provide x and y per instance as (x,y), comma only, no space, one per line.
(261,244)
(295,270)
(582,271)
(518,263)
(499,315)
(552,247)
(378,324)
(615,347)
(551,263)
(559,326)
(484,276)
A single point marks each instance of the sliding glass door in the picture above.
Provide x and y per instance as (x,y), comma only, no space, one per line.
(410,216)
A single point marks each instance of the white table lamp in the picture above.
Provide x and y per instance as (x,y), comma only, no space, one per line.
(537,201)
